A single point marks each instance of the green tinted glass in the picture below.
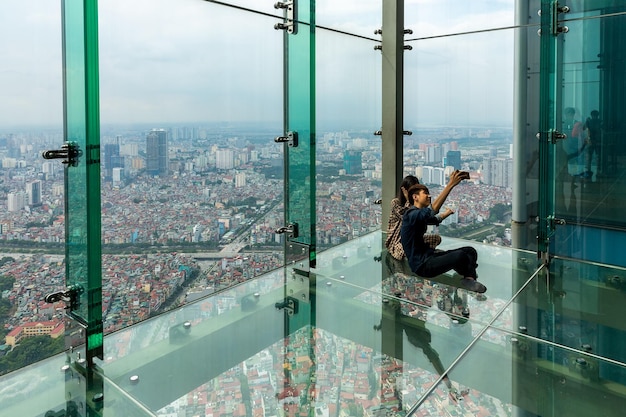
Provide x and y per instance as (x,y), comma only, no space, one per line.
(511,374)
(82,180)
(589,180)
(348,101)
(548,133)
(300,118)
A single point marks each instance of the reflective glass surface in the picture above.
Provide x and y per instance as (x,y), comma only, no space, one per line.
(439,18)
(360,18)
(191,174)
(364,337)
(391,329)
(35,389)
(82,170)
(361,333)
(32,232)
(589,175)
(58,387)
(348,155)
(461,117)
(508,374)
(573,304)
(361,263)
(299,195)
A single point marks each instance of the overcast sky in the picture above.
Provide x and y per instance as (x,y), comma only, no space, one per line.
(194,61)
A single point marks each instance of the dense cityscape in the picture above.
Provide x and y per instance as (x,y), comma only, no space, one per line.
(189,210)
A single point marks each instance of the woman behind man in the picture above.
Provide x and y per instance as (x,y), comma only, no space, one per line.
(398,206)
(423,260)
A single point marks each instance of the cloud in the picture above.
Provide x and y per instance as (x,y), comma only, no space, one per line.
(30,69)
(191,60)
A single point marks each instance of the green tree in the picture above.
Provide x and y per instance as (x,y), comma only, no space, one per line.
(5,308)
(496,213)
(6,283)
(6,260)
(31,350)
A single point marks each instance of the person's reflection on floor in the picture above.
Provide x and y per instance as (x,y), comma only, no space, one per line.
(449,299)
(417,334)
(452,301)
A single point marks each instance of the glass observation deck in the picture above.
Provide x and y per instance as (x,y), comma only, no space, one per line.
(360,335)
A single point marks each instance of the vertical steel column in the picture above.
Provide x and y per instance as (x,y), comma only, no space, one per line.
(519,223)
(549,102)
(392,101)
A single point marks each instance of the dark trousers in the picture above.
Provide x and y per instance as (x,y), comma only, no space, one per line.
(462,260)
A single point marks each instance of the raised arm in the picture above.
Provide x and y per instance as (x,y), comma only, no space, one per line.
(455,179)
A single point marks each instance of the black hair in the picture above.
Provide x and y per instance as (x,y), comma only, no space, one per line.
(415,189)
(407,182)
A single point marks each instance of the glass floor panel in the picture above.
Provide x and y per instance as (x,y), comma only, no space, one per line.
(35,389)
(362,263)
(579,305)
(362,342)
(58,387)
(505,374)
(360,336)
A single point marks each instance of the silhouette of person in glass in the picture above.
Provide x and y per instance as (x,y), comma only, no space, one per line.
(593,129)
(574,143)
(569,165)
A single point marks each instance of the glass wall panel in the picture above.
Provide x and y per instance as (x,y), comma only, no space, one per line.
(81,118)
(578,305)
(32,232)
(428,18)
(36,389)
(263,7)
(348,156)
(458,95)
(226,350)
(355,17)
(299,148)
(191,176)
(590,190)
(506,374)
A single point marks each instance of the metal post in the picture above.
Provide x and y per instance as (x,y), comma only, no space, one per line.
(392,102)
(519,224)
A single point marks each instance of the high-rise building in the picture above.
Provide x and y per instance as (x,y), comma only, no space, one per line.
(352,162)
(9,163)
(157,160)
(111,159)
(438,176)
(16,201)
(224,159)
(129,149)
(117,175)
(33,190)
(498,172)
(434,154)
(240,179)
(48,168)
(427,175)
(453,158)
